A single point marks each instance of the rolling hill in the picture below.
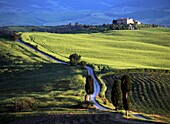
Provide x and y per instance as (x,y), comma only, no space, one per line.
(146,48)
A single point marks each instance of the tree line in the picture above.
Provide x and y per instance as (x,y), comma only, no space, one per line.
(74,28)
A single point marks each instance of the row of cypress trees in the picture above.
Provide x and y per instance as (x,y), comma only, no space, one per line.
(121,93)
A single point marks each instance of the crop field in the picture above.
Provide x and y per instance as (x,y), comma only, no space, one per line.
(28,76)
(145,48)
(150,92)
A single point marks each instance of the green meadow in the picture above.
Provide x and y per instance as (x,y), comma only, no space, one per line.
(25,75)
(120,49)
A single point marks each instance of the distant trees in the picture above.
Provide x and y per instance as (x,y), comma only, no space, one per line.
(15,37)
(74,59)
(154,25)
(8,34)
(116,95)
(114,22)
(89,86)
(121,91)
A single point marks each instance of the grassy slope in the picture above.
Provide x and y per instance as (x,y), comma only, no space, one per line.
(25,73)
(119,49)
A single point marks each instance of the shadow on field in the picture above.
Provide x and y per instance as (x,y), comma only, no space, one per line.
(27,78)
(99,118)
(44,82)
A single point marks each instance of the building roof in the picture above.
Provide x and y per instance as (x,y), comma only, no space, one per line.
(124,18)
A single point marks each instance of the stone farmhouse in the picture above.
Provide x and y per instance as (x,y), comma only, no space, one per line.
(126,21)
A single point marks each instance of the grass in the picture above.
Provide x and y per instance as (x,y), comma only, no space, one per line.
(146,48)
(26,74)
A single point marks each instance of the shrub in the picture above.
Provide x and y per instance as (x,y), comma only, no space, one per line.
(24,104)
(47,87)
(87,105)
(74,59)
(83,64)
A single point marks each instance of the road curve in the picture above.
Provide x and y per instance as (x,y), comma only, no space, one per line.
(89,69)
(96,89)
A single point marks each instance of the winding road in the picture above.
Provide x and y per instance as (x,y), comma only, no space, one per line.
(89,69)
(96,89)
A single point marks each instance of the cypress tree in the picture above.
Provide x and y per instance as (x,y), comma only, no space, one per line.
(126,83)
(116,95)
(126,86)
(89,86)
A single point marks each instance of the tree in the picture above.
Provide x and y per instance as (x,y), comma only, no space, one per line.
(76,24)
(89,86)
(15,37)
(126,104)
(154,25)
(126,83)
(74,59)
(114,22)
(116,95)
(126,86)
(111,27)
(83,64)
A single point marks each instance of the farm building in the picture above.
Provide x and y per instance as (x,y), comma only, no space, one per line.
(126,21)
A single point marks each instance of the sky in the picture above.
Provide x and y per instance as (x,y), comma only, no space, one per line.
(56,12)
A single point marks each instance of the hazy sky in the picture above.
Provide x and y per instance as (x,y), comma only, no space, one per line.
(54,12)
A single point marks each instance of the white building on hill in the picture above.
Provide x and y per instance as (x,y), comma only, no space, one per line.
(127,21)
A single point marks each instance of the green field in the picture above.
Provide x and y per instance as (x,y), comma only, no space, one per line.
(25,74)
(146,48)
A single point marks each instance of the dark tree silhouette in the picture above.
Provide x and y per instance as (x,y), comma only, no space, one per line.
(74,59)
(15,37)
(114,22)
(89,87)
(116,95)
(126,86)
(83,64)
